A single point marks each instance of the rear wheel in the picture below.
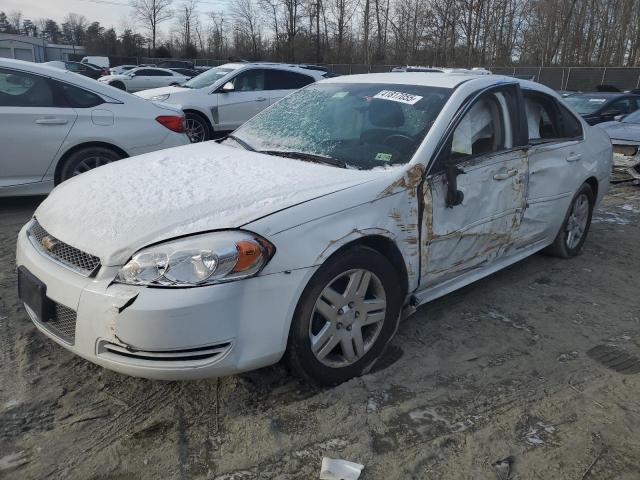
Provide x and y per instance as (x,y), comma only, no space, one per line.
(87,159)
(345,317)
(573,232)
(197,127)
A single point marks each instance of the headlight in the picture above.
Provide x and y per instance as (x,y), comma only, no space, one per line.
(159,98)
(198,260)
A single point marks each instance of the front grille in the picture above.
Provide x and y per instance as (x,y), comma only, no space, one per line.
(67,255)
(62,323)
(196,355)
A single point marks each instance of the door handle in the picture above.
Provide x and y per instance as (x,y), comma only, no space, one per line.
(52,121)
(504,176)
(574,157)
(260,99)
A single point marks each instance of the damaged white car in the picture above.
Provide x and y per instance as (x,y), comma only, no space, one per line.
(311,230)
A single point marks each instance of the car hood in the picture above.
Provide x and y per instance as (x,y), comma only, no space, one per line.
(114,210)
(623,131)
(153,92)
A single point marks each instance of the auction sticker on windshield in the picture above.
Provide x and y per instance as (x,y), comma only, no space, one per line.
(401,97)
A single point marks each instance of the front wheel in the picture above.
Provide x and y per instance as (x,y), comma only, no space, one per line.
(575,227)
(197,128)
(345,317)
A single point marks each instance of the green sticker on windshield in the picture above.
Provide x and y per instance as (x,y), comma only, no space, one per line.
(383,157)
(340,94)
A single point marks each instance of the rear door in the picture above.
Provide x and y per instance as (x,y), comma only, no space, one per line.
(556,148)
(281,83)
(35,122)
(142,80)
(247,99)
(476,190)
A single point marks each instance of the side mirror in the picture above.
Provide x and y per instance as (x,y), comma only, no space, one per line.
(618,118)
(228,87)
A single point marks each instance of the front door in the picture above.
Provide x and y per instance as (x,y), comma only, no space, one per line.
(247,99)
(34,126)
(475,193)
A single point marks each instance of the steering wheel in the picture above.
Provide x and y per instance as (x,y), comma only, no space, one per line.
(399,141)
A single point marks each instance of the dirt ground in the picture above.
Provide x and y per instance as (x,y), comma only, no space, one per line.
(502,370)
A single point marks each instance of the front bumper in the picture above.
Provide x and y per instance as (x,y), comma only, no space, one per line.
(169,333)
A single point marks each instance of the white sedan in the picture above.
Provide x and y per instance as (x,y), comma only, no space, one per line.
(313,228)
(57,124)
(224,97)
(143,78)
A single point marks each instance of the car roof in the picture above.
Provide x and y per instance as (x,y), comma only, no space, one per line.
(434,79)
(603,94)
(304,69)
(66,76)
(154,68)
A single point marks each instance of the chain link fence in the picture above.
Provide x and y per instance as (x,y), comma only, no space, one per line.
(559,78)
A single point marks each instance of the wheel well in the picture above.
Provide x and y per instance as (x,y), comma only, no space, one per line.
(389,249)
(593,183)
(68,153)
(203,116)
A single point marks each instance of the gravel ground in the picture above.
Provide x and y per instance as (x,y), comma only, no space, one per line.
(503,370)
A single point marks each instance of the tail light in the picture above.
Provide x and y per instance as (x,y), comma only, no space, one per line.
(173,123)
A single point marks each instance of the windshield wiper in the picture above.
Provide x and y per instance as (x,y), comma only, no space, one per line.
(244,144)
(309,157)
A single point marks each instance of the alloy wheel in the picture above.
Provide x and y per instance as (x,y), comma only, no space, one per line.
(90,163)
(195,130)
(577,221)
(347,318)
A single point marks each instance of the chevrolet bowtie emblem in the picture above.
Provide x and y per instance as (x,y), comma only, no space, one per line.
(49,243)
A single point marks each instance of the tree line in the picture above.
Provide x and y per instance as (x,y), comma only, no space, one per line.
(414,32)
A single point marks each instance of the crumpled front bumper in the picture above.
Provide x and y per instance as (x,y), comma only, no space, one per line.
(626,162)
(169,333)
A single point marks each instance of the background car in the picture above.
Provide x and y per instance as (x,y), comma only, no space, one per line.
(187,72)
(175,64)
(603,106)
(100,61)
(120,69)
(56,125)
(86,69)
(144,78)
(223,98)
(625,138)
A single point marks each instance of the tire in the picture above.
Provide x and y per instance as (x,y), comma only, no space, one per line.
(197,127)
(119,85)
(576,224)
(86,159)
(333,325)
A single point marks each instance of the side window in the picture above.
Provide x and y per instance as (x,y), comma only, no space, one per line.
(77,97)
(72,67)
(482,130)
(144,73)
(285,80)
(249,81)
(542,118)
(623,106)
(162,73)
(19,89)
(571,127)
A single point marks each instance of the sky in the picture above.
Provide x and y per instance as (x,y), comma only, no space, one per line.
(110,13)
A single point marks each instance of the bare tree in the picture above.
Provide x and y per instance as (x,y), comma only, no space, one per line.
(151,13)
(247,22)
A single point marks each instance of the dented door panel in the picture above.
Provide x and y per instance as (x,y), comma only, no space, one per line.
(482,228)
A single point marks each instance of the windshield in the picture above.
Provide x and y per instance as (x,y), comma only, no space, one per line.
(207,78)
(632,117)
(585,105)
(360,125)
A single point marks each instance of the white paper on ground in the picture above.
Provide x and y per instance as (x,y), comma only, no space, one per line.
(335,469)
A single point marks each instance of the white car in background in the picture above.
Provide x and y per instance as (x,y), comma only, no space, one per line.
(120,69)
(223,98)
(56,124)
(313,228)
(143,78)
